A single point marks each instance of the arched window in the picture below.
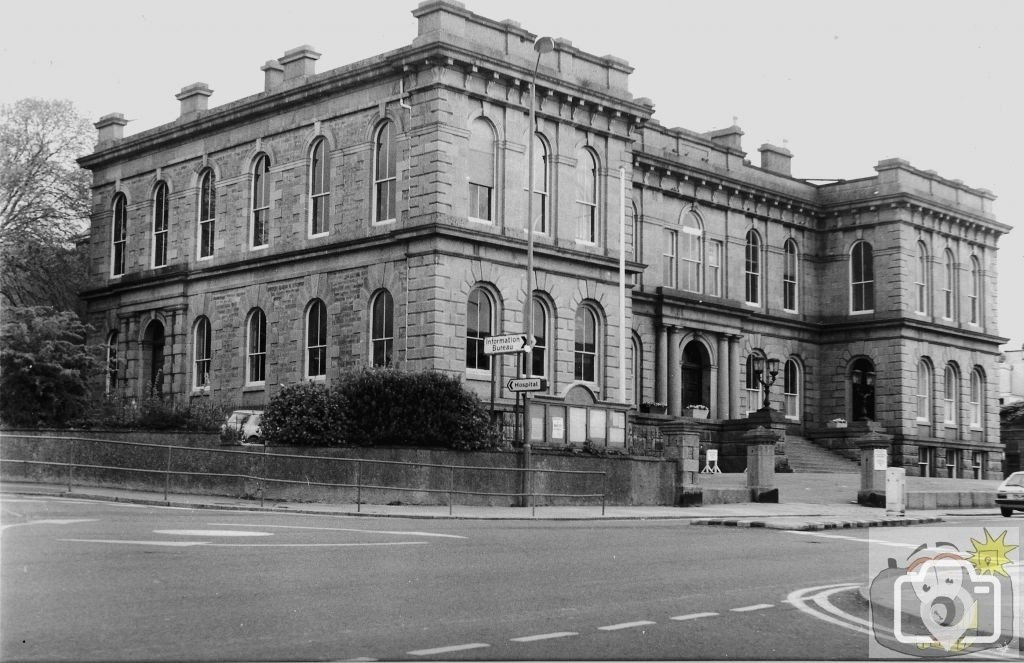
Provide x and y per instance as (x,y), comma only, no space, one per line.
(540,359)
(585,354)
(161,215)
(540,184)
(862,389)
(202,353)
(586,197)
(316,340)
(634,237)
(692,253)
(949,286)
(481,170)
(752,268)
(753,381)
(119,236)
(924,391)
(975,296)
(319,188)
(638,370)
(385,178)
(862,278)
(951,396)
(207,213)
(791,390)
(256,348)
(260,218)
(921,279)
(790,276)
(111,363)
(382,332)
(479,326)
(977,399)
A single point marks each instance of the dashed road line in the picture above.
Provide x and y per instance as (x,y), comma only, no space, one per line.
(695,615)
(447,650)
(752,608)
(619,627)
(544,636)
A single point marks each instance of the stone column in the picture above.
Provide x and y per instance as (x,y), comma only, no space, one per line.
(661,366)
(675,374)
(872,480)
(760,443)
(724,385)
(734,377)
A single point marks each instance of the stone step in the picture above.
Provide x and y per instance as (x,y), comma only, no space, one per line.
(805,456)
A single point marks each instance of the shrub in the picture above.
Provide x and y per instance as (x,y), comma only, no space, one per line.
(421,409)
(304,414)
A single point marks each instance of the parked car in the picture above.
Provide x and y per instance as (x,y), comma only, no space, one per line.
(242,426)
(1010,494)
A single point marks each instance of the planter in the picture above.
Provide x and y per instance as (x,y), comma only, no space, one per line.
(653,409)
(696,412)
(836,424)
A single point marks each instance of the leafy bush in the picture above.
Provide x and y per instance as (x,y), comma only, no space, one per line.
(304,414)
(414,409)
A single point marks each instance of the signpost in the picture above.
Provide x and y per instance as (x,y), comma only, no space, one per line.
(526,384)
(507,344)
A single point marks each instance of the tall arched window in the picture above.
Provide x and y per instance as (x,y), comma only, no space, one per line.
(977,399)
(479,325)
(540,184)
(382,332)
(385,178)
(752,268)
(975,296)
(316,340)
(111,363)
(924,391)
(637,364)
(634,236)
(539,354)
(791,390)
(319,188)
(586,197)
(790,277)
(259,229)
(119,236)
(921,279)
(951,396)
(256,348)
(481,170)
(668,256)
(753,381)
(862,278)
(585,353)
(692,254)
(949,286)
(161,215)
(202,353)
(207,213)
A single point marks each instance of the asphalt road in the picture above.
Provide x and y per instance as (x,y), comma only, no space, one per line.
(98,581)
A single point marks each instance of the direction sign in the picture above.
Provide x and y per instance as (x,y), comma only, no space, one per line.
(526,384)
(500,345)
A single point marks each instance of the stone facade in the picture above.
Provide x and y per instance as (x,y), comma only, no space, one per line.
(427,148)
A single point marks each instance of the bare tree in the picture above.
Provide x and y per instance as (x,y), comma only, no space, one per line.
(44,201)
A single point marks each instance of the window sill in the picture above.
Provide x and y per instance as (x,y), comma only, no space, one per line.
(256,386)
(384,222)
(483,222)
(318,235)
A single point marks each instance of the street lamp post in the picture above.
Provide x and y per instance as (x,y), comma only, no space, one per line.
(766,383)
(864,386)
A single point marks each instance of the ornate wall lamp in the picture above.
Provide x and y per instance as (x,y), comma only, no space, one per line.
(766,382)
(864,387)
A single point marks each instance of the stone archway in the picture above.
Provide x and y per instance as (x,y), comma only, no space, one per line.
(696,368)
(153,373)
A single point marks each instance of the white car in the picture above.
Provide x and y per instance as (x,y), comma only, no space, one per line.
(242,426)
(1010,494)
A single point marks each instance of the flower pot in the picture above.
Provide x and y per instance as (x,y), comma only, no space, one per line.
(696,412)
(653,408)
(836,424)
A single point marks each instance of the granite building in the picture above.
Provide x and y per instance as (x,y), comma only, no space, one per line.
(375,215)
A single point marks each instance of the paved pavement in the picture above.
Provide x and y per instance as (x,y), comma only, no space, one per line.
(821,502)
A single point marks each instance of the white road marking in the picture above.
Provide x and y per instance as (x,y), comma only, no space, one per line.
(544,636)
(345,529)
(210,544)
(618,627)
(798,598)
(125,542)
(209,532)
(853,538)
(752,608)
(445,650)
(67,521)
(695,615)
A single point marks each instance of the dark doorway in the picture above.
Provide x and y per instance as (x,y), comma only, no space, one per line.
(862,389)
(153,374)
(696,375)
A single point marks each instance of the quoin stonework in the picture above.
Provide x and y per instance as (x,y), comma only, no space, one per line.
(375,215)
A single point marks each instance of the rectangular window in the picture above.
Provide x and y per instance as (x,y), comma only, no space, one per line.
(480,202)
(714,274)
(669,259)
(692,253)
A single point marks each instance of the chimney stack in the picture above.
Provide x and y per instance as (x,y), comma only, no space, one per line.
(273,75)
(730,138)
(299,62)
(193,98)
(110,128)
(776,159)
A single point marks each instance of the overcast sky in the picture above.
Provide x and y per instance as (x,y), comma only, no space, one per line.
(845,84)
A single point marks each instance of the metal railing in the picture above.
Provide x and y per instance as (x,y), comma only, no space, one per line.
(262,464)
